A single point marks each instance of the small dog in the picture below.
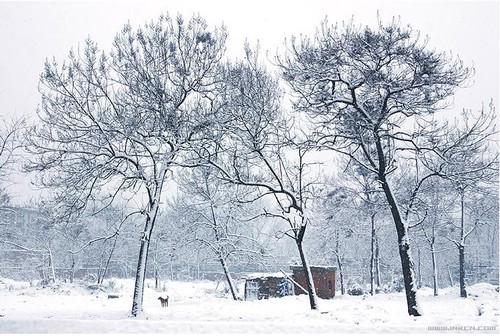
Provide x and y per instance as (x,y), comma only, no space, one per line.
(164,302)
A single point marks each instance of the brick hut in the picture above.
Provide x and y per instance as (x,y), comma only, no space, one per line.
(267,286)
(323,277)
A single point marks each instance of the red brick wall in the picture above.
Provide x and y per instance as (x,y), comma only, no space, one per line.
(324,281)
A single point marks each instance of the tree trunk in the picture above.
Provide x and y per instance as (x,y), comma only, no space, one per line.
(404,250)
(339,262)
(372,256)
(461,247)
(157,279)
(229,279)
(172,268)
(419,268)
(377,262)
(461,256)
(198,272)
(450,277)
(402,233)
(101,258)
(140,277)
(141,273)
(156,269)
(72,269)
(434,270)
(52,267)
(341,275)
(307,271)
(108,260)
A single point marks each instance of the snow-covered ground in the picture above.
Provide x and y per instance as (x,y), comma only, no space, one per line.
(197,307)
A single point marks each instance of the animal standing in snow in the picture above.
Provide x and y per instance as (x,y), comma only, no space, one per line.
(164,302)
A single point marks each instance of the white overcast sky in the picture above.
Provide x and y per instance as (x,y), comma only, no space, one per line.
(30,32)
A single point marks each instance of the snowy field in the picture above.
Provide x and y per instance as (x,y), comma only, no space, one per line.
(197,307)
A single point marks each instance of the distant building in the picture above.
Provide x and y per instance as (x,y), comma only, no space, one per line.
(323,278)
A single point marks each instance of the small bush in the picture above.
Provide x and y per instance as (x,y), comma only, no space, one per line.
(355,290)
(110,285)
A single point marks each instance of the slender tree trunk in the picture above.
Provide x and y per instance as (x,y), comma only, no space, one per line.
(402,233)
(434,270)
(156,270)
(404,250)
(229,279)
(461,257)
(307,271)
(377,262)
(141,271)
(171,267)
(461,247)
(198,273)
(341,275)
(72,269)
(450,277)
(372,256)
(99,270)
(157,279)
(140,277)
(52,267)
(108,260)
(339,263)
(419,267)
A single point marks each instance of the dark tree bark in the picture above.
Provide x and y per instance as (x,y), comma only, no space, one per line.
(359,86)
(339,262)
(102,273)
(461,263)
(137,299)
(377,262)
(404,250)
(307,270)
(372,254)
(461,245)
(229,279)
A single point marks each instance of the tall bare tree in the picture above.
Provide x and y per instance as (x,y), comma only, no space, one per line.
(256,148)
(218,221)
(362,87)
(113,124)
(465,154)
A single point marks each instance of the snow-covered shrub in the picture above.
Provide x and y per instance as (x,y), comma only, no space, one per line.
(396,285)
(90,278)
(110,285)
(355,289)
(46,283)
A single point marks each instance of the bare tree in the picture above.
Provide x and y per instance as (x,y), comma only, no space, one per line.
(218,220)
(254,149)
(29,231)
(10,141)
(362,86)
(464,154)
(113,124)
(331,233)
(96,236)
(437,198)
